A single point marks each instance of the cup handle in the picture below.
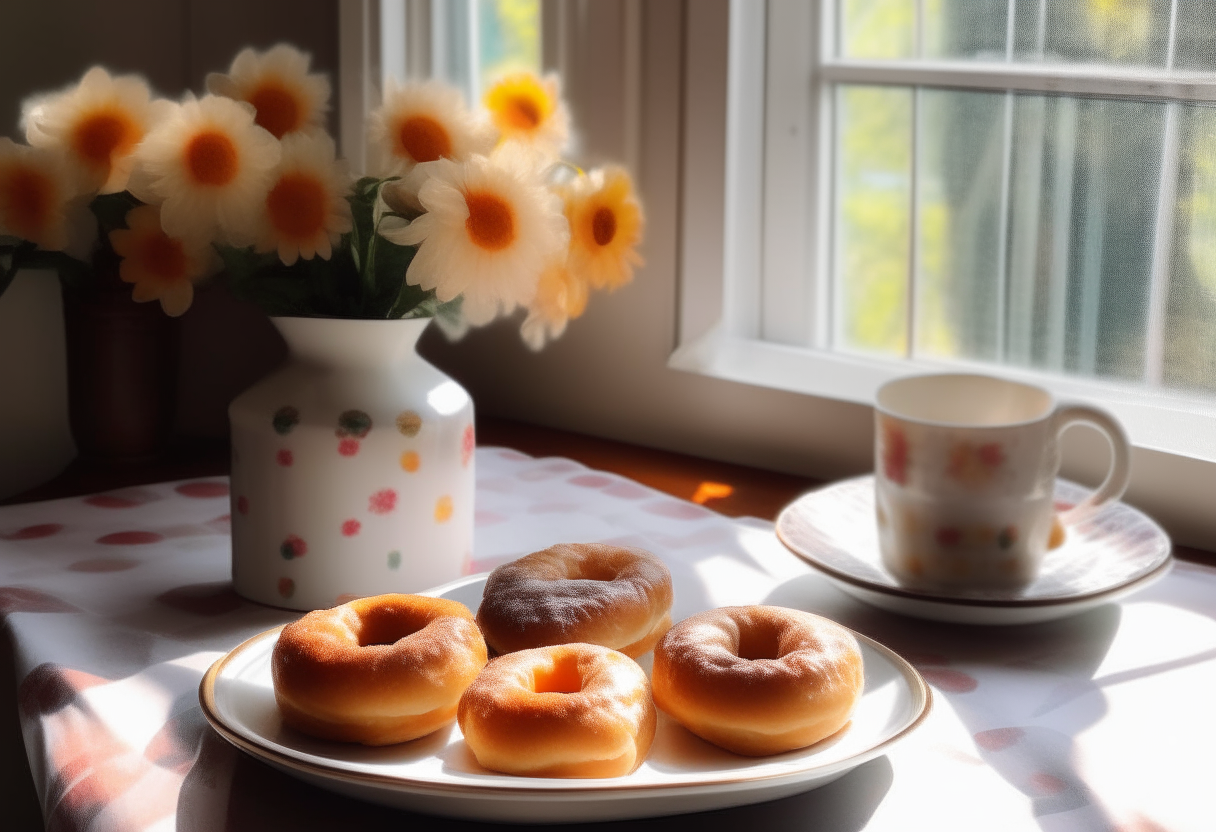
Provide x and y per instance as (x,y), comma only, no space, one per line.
(1120,472)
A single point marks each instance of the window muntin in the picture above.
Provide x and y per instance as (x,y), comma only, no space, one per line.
(977,216)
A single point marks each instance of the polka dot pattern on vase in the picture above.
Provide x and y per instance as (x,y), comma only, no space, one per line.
(287,587)
(410,461)
(383,501)
(348,447)
(351,527)
(409,423)
(285,458)
(293,546)
(468,444)
(394,559)
(353,423)
(443,509)
(285,419)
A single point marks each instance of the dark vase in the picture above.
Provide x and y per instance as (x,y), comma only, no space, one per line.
(122,359)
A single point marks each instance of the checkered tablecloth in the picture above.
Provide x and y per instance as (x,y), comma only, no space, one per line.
(117,603)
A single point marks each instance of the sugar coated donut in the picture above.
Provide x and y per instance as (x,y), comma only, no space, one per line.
(594,593)
(378,670)
(571,710)
(758,680)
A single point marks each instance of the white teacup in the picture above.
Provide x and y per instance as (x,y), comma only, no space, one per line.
(965,472)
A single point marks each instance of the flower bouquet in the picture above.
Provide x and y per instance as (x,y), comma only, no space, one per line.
(468,214)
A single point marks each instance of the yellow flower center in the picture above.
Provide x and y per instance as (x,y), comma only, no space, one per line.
(103,133)
(522,112)
(26,197)
(603,226)
(491,223)
(519,103)
(162,257)
(424,139)
(211,158)
(297,206)
(278,109)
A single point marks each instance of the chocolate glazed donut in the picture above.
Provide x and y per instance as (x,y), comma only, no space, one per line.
(615,596)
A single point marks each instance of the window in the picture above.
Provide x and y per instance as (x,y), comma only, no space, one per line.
(929,184)
(465,42)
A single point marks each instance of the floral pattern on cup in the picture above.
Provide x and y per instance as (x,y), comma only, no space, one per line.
(975,465)
(894,452)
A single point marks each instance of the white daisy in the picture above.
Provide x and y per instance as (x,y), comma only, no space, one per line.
(210,167)
(529,109)
(423,122)
(491,227)
(305,212)
(278,85)
(96,124)
(161,267)
(35,188)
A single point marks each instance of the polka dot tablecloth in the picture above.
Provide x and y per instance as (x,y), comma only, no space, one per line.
(117,603)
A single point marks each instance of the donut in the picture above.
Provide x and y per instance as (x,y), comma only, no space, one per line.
(570,710)
(377,670)
(616,596)
(758,680)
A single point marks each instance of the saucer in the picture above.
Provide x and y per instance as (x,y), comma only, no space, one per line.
(1114,552)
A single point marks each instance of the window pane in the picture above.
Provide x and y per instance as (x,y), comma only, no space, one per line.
(1196,33)
(473,42)
(961,166)
(1092,31)
(1036,228)
(966,29)
(873,187)
(510,37)
(1082,220)
(878,29)
(1190,344)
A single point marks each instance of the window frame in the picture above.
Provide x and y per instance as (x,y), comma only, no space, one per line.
(755,316)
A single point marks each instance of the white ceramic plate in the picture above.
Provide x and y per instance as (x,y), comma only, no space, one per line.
(438,775)
(1116,551)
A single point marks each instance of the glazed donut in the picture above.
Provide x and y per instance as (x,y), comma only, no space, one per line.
(571,710)
(377,670)
(758,680)
(594,593)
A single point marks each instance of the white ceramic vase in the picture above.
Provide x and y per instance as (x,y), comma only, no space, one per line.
(352,468)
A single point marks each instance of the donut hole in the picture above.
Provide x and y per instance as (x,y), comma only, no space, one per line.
(387,626)
(592,571)
(759,642)
(561,677)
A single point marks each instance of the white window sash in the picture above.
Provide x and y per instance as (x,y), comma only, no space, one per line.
(787,348)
